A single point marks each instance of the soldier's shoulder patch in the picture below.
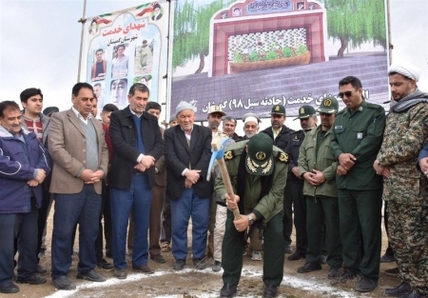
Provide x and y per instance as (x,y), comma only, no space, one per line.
(282,157)
(230,154)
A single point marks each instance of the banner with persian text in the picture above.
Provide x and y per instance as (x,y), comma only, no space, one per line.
(248,55)
(127,47)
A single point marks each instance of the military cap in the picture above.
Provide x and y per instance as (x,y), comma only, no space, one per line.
(329,105)
(259,160)
(215,109)
(278,110)
(305,112)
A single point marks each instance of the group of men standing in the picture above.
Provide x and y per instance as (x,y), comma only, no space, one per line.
(334,174)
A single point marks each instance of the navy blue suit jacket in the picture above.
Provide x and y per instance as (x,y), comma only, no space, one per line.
(123,136)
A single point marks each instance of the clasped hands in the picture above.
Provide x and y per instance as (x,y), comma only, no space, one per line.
(91,177)
(191,177)
(314,178)
(146,162)
(41,175)
(346,162)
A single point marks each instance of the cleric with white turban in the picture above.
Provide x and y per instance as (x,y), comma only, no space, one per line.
(409,71)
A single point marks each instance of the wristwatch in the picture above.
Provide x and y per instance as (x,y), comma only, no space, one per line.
(250,219)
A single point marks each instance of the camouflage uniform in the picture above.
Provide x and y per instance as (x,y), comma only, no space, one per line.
(406,191)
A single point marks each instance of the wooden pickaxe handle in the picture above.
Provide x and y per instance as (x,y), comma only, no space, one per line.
(226,179)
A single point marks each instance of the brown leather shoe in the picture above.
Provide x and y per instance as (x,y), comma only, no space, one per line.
(143,269)
(120,273)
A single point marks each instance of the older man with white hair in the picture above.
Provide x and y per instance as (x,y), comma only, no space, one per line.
(251,125)
(405,134)
(187,155)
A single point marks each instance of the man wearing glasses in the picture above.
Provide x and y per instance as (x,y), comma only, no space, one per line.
(356,138)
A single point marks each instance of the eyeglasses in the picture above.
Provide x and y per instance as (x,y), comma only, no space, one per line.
(346,93)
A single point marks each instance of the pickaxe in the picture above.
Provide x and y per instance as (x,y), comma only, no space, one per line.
(217,154)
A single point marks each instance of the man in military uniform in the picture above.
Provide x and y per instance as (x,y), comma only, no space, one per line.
(318,168)
(355,140)
(404,185)
(258,173)
(294,188)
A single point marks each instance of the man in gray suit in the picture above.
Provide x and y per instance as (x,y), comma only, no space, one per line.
(79,151)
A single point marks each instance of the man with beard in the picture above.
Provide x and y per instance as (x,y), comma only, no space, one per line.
(404,185)
(251,125)
(294,187)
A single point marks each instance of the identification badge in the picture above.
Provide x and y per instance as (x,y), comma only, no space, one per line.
(359,135)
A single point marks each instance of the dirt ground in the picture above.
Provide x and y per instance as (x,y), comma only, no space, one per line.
(191,283)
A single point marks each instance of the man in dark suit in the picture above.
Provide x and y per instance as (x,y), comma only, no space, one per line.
(187,154)
(137,144)
(79,151)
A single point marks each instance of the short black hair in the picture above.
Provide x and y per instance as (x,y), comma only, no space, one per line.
(354,81)
(27,93)
(76,88)
(110,108)
(138,87)
(7,105)
(153,105)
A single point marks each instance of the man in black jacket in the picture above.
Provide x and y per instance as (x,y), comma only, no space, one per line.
(187,154)
(137,144)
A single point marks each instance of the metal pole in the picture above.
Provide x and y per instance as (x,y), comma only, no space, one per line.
(83,21)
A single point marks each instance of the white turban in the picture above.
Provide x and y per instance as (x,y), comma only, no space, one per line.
(405,69)
(184,105)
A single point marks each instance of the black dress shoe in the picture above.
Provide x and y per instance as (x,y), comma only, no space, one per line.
(106,266)
(401,289)
(387,258)
(158,259)
(228,290)
(366,284)
(413,294)
(333,272)
(392,271)
(63,283)
(199,264)
(179,264)
(270,291)
(297,255)
(9,288)
(288,249)
(32,279)
(308,267)
(91,276)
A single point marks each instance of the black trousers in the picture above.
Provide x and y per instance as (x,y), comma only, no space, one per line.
(293,195)
(273,248)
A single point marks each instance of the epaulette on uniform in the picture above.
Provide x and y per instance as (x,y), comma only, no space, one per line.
(282,156)
(297,135)
(229,154)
